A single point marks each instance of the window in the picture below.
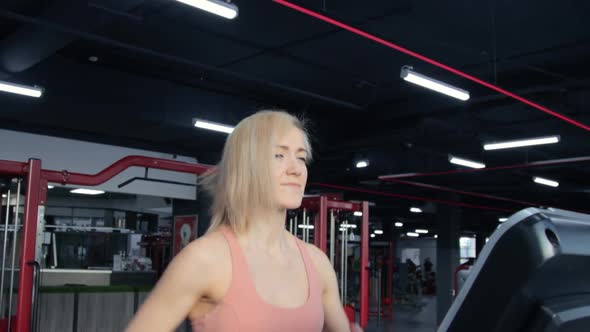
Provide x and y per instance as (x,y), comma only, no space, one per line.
(466,248)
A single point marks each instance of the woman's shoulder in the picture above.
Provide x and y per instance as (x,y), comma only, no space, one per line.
(209,248)
(320,261)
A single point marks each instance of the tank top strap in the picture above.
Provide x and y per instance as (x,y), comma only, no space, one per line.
(313,277)
(240,272)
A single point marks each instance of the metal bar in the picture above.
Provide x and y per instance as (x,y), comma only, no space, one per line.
(346,262)
(13,167)
(332,237)
(365,266)
(323,223)
(340,205)
(34,295)
(29,236)
(14,240)
(305,232)
(137,178)
(4,254)
(379,295)
(291,225)
(121,165)
(342,299)
(390,279)
(308,228)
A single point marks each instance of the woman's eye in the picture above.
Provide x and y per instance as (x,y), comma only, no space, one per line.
(278,155)
(303,159)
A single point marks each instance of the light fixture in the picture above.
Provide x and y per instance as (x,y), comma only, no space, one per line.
(213,126)
(305,226)
(399,224)
(502,219)
(50,186)
(372,235)
(378,231)
(347,226)
(358,213)
(465,162)
(521,143)
(412,234)
(30,91)
(546,182)
(408,74)
(362,163)
(3,195)
(415,210)
(436,236)
(422,231)
(85,191)
(221,8)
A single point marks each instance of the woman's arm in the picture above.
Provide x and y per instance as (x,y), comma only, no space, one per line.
(185,281)
(335,319)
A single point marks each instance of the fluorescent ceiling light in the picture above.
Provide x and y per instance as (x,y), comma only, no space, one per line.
(347,226)
(30,91)
(436,236)
(378,231)
(221,8)
(362,164)
(412,234)
(50,186)
(305,226)
(546,182)
(372,235)
(502,219)
(422,231)
(3,195)
(213,126)
(465,162)
(415,210)
(358,213)
(430,83)
(86,191)
(399,224)
(523,142)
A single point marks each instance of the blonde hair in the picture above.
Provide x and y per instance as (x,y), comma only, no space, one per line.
(241,182)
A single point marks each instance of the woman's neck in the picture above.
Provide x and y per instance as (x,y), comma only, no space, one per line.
(266,229)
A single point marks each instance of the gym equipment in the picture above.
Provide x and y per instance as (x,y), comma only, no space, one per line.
(333,230)
(23,320)
(532,275)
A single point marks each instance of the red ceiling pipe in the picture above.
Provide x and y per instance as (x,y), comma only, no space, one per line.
(410,197)
(462,192)
(497,168)
(430,61)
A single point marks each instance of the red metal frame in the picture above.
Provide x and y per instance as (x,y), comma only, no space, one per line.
(37,179)
(321,205)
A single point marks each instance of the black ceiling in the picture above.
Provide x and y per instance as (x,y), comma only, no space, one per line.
(161,63)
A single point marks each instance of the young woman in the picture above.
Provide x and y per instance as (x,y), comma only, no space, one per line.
(248,274)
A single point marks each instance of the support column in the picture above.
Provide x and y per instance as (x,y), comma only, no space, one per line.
(448,220)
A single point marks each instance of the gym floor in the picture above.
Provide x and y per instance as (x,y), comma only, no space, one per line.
(408,319)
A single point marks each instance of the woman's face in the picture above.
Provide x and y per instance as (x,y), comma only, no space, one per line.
(289,169)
